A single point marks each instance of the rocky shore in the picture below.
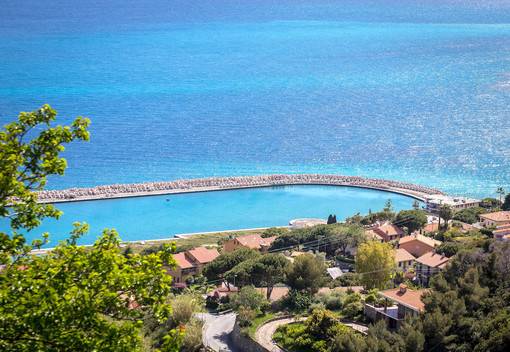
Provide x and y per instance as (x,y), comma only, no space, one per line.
(223,183)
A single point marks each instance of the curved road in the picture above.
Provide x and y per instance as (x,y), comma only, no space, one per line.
(217,329)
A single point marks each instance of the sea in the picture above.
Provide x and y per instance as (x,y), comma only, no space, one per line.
(415,91)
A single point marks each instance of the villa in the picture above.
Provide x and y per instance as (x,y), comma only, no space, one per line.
(191,263)
(428,265)
(418,245)
(385,233)
(404,259)
(252,241)
(495,219)
(502,233)
(408,303)
(434,201)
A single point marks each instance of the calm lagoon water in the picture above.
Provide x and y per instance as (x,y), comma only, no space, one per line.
(416,91)
(154,217)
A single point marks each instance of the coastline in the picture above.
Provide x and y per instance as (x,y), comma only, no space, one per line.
(230,183)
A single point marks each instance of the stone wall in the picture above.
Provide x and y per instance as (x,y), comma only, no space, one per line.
(243,343)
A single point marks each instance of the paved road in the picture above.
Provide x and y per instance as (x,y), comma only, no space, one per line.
(265,332)
(217,330)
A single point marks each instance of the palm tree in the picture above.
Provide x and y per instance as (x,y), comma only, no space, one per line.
(501,193)
(446,212)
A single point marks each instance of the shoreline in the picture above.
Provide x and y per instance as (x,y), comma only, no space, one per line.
(230,183)
(176,237)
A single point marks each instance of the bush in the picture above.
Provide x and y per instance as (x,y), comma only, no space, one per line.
(183,307)
(248,297)
(343,259)
(245,316)
(352,298)
(192,340)
(333,300)
(348,279)
(296,300)
(316,305)
(370,299)
(211,303)
(352,309)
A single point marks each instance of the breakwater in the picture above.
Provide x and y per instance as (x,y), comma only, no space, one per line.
(224,183)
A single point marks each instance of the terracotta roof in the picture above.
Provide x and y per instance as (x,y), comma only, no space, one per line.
(387,230)
(423,239)
(497,216)
(401,255)
(203,255)
(255,241)
(409,298)
(433,226)
(374,235)
(183,261)
(432,259)
(503,230)
(503,227)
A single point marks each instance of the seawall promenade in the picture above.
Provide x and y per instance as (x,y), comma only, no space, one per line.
(225,183)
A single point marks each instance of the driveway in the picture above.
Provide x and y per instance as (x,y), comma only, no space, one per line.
(217,329)
(265,332)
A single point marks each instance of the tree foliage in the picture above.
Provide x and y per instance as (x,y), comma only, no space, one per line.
(446,212)
(218,268)
(375,261)
(71,298)
(305,274)
(412,219)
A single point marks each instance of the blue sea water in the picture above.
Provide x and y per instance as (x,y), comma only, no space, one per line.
(416,91)
(155,217)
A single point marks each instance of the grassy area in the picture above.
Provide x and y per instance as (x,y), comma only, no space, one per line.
(286,341)
(259,319)
(197,240)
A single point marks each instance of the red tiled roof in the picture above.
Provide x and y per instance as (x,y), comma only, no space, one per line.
(255,241)
(432,259)
(203,255)
(409,298)
(423,239)
(387,231)
(374,235)
(401,255)
(183,261)
(497,216)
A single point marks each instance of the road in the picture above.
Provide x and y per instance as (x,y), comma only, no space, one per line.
(217,330)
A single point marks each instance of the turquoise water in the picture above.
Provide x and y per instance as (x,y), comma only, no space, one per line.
(415,91)
(154,217)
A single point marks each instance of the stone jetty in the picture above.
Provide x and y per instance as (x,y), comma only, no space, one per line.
(224,183)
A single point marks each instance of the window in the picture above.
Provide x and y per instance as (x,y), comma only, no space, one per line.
(400,264)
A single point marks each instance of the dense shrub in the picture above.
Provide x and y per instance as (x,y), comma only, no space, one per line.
(353,309)
(333,300)
(248,297)
(370,299)
(296,300)
(245,316)
(346,280)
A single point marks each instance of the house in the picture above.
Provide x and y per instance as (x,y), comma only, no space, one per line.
(191,263)
(428,265)
(502,233)
(385,233)
(417,244)
(408,303)
(252,241)
(434,201)
(404,259)
(495,219)
(430,227)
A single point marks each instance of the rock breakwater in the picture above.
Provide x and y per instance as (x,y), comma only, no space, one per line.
(222,183)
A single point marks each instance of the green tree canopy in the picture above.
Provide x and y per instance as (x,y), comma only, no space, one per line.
(446,212)
(305,274)
(506,203)
(71,298)
(469,215)
(412,219)
(217,269)
(375,261)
